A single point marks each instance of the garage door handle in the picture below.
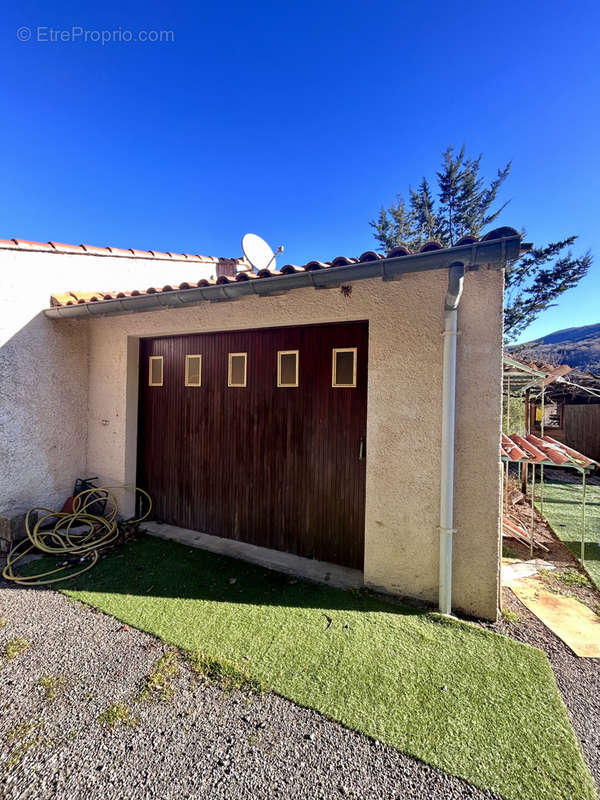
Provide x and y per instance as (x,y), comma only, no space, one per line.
(361,449)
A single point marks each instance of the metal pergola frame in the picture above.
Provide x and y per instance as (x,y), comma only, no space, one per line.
(518,380)
(584,470)
(519,377)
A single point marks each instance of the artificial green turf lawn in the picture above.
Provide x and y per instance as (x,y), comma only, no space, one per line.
(475,704)
(562,509)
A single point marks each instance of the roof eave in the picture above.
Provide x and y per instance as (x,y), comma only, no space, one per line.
(493,253)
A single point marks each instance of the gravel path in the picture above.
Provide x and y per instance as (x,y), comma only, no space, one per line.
(203,742)
(578,678)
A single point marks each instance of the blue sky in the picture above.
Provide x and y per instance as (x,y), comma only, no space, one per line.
(296,122)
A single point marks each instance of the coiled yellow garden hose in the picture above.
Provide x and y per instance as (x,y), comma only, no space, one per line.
(63,539)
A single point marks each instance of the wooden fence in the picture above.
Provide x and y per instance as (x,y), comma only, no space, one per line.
(582,429)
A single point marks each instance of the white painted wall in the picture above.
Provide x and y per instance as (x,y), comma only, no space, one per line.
(44,366)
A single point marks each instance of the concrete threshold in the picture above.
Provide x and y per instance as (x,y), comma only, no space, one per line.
(308,568)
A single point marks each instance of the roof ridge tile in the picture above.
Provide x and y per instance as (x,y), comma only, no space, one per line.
(117,252)
(244,272)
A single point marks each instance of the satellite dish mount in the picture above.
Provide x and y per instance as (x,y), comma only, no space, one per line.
(258,253)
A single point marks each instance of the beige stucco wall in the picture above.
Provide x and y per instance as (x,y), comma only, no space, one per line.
(403,428)
(44,366)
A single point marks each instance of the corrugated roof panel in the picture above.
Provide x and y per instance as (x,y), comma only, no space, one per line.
(542,450)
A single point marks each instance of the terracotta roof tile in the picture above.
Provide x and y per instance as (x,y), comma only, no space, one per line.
(369,255)
(22,244)
(343,261)
(312,265)
(290,269)
(542,450)
(119,251)
(498,233)
(60,247)
(511,451)
(398,251)
(93,250)
(140,253)
(227,270)
(86,297)
(63,299)
(96,251)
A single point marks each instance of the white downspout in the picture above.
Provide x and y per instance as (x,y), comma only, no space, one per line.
(456,275)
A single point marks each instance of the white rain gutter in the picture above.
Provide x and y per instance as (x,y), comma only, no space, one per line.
(456,275)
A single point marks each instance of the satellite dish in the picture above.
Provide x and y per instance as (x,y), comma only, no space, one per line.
(258,252)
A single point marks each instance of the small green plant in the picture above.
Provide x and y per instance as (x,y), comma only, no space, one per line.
(159,683)
(507,552)
(51,684)
(571,577)
(21,731)
(3,622)
(117,713)
(226,674)
(511,616)
(556,580)
(15,647)
(22,738)
(552,584)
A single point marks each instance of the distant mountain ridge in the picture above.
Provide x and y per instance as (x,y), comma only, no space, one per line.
(577,347)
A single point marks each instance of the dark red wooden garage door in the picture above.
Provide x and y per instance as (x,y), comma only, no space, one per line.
(276,466)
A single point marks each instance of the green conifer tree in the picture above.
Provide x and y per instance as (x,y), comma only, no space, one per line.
(466,205)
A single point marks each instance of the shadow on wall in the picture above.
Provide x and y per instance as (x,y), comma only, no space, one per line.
(43,412)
